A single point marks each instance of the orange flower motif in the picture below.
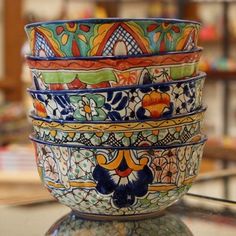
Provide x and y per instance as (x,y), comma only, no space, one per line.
(156,103)
(40,108)
(127,78)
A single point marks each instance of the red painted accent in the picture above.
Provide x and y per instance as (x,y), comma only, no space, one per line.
(166,24)
(145,144)
(71,24)
(129,30)
(123,173)
(119,64)
(175,28)
(162,45)
(39,106)
(101,85)
(59,30)
(75,49)
(56,87)
(84,28)
(76,84)
(152,27)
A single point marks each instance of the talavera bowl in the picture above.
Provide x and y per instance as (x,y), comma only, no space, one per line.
(97,72)
(118,182)
(165,225)
(177,130)
(110,37)
(140,102)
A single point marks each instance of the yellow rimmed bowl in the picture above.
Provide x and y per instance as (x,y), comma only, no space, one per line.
(172,131)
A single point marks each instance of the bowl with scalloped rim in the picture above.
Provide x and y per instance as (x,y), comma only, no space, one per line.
(99,72)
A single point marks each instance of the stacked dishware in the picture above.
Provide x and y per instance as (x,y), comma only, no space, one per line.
(117,113)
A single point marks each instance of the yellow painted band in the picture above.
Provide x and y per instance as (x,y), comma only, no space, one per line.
(109,127)
(93,185)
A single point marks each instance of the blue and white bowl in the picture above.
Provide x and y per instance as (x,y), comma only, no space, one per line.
(118,182)
(139,102)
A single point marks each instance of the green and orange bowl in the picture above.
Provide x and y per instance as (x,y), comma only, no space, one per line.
(99,72)
(111,37)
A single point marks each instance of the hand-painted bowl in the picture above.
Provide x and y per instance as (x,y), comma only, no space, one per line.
(118,182)
(164,225)
(176,130)
(110,37)
(97,72)
(140,102)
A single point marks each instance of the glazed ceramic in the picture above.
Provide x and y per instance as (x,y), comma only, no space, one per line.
(109,37)
(150,133)
(67,79)
(97,73)
(118,181)
(139,102)
(165,225)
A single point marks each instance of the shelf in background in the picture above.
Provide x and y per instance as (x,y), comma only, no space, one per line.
(6,85)
(215,41)
(218,74)
(221,149)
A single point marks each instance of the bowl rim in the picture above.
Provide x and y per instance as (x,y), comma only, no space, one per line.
(32,115)
(29,57)
(201,75)
(112,68)
(201,141)
(110,20)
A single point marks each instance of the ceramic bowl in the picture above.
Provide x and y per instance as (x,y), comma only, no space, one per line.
(109,37)
(118,181)
(164,225)
(176,130)
(140,102)
(111,72)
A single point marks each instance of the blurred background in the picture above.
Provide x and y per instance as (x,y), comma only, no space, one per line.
(19,182)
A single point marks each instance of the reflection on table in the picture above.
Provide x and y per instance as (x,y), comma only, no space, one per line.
(193,215)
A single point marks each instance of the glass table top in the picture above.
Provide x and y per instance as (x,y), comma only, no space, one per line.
(219,185)
(209,208)
(192,215)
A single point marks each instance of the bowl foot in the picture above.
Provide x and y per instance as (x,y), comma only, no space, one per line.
(101,217)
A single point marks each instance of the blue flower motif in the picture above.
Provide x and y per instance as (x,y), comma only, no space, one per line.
(122,177)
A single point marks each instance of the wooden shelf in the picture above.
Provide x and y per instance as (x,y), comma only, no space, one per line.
(220,149)
(6,85)
(13,37)
(207,42)
(216,41)
(219,75)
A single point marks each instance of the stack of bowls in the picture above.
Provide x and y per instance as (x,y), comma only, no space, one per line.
(117,113)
